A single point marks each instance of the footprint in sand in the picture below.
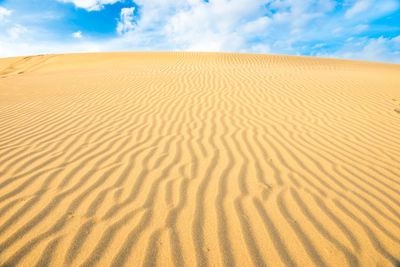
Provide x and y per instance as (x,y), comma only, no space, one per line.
(397,100)
(24,65)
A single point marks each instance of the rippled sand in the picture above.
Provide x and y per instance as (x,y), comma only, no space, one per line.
(208,159)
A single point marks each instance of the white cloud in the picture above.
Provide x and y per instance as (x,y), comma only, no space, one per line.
(17,47)
(16,31)
(90,5)
(366,9)
(360,28)
(261,48)
(4,12)
(396,40)
(372,49)
(126,20)
(237,25)
(207,45)
(319,45)
(261,26)
(77,35)
(358,7)
(257,26)
(219,25)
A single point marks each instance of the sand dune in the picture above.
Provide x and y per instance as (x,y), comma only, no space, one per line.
(198,159)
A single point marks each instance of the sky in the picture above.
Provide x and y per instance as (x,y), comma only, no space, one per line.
(350,29)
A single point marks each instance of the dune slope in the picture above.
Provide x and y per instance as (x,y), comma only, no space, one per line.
(198,159)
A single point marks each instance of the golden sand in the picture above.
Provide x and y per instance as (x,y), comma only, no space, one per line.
(198,159)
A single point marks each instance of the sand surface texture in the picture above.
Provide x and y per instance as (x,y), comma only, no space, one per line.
(198,159)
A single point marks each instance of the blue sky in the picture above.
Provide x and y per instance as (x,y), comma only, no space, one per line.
(352,29)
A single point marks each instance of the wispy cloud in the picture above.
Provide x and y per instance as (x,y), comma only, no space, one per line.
(4,12)
(359,7)
(358,29)
(16,31)
(125,23)
(372,49)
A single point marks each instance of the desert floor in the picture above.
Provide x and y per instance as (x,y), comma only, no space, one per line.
(198,159)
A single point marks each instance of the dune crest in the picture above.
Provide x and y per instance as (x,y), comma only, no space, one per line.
(198,159)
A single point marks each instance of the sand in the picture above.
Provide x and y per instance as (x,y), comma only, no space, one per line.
(198,159)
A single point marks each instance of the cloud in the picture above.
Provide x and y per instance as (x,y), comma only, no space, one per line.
(280,26)
(77,35)
(367,9)
(307,27)
(227,25)
(17,47)
(220,25)
(371,49)
(4,12)
(357,8)
(16,31)
(256,26)
(126,20)
(261,48)
(396,40)
(90,5)
(319,45)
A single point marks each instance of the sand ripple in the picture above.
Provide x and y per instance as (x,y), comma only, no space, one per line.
(198,159)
